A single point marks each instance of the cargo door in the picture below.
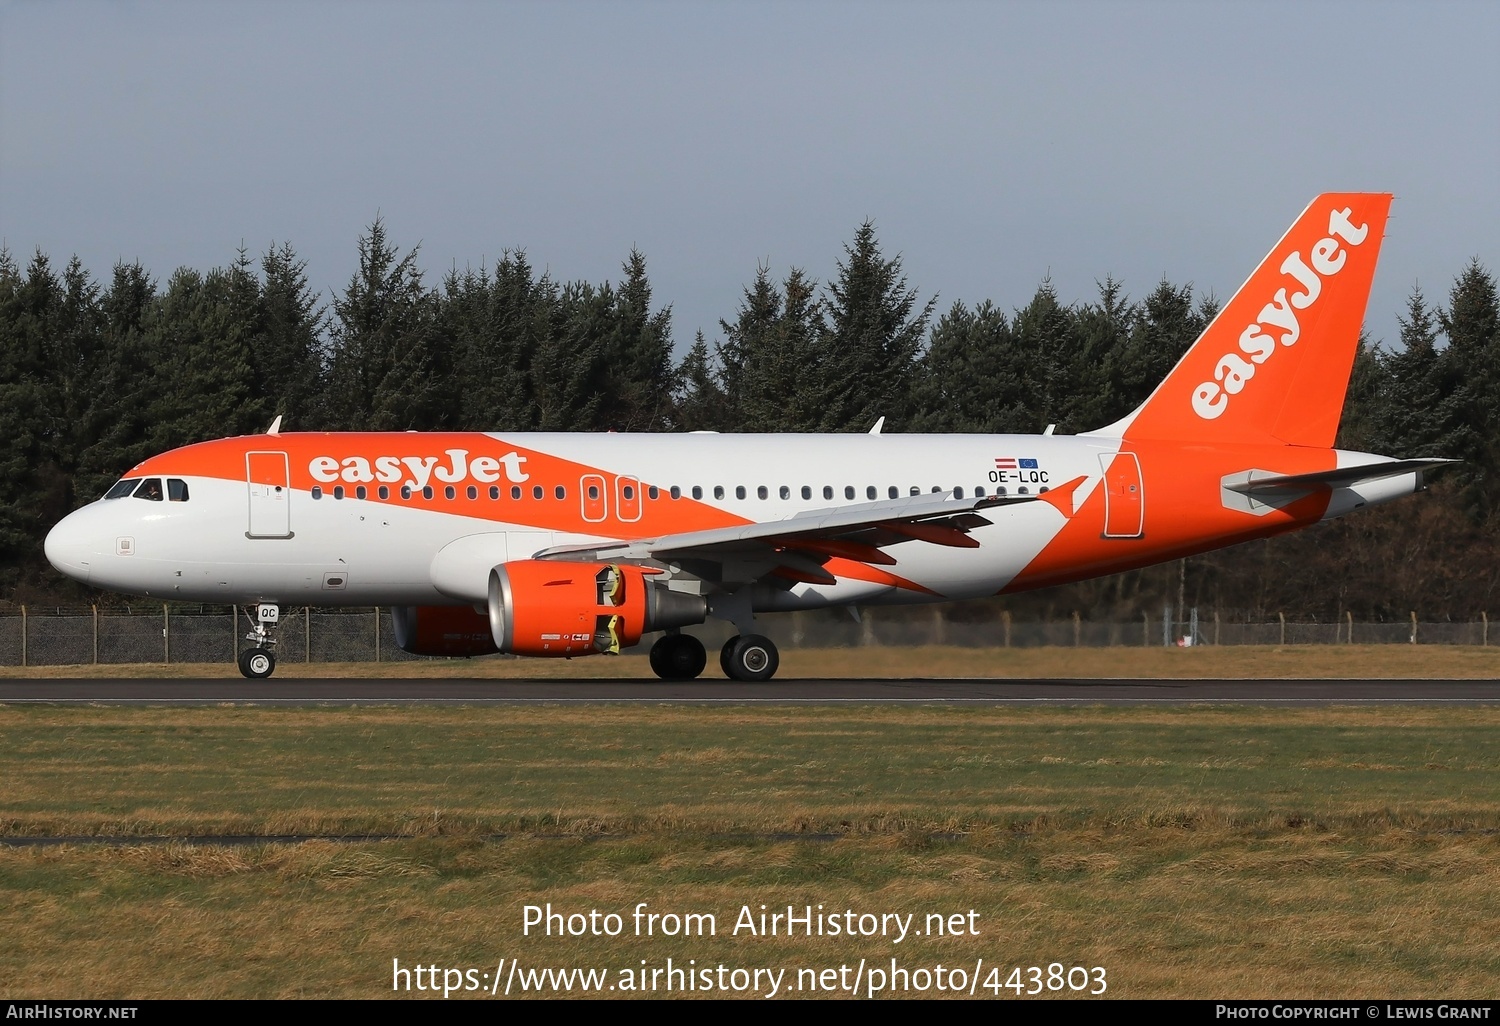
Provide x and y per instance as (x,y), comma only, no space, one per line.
(1124,496)
(270,495)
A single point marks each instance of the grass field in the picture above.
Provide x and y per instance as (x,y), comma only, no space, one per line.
(1205,852)
(1378,661)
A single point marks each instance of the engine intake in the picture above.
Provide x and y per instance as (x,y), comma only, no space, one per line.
(545,608)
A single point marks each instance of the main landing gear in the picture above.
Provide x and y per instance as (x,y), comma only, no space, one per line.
(747,657)
(678,657)
(260,662)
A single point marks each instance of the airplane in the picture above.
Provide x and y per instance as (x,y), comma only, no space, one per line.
(566,545)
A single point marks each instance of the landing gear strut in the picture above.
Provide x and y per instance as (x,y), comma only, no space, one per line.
(749,657)
(678,657)
(259,662)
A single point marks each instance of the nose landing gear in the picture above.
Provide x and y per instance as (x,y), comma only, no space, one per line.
(259,662)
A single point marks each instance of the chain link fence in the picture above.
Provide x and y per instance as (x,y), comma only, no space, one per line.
(55,637)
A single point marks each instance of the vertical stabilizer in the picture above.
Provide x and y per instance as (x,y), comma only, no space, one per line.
(1274,365)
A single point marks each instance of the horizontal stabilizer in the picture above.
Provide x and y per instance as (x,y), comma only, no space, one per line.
(1342,477)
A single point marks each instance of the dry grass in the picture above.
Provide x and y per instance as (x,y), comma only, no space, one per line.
(1240,662)
(1192,852)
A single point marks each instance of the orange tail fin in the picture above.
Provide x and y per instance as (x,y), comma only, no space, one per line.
(1274,365)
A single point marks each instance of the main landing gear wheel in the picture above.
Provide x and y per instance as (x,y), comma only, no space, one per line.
(678,657)
(257,663)
(749,657)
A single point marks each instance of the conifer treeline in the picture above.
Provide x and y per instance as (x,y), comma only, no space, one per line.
(96,376)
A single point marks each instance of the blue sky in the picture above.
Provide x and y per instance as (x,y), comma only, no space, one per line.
(992,144)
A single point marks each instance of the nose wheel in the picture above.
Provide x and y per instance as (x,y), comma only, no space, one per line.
(749,657)
(259,662)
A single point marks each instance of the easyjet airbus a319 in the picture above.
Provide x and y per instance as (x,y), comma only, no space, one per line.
(579,544)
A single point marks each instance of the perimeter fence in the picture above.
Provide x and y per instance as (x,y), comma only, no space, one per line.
(54,636)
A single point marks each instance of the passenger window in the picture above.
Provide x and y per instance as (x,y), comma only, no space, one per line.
(427,491)
(448,492)
(361,492)
(785,492)
(338,491)
(385,491)
(629,492)
(317,493)
(494,491)
(739,491)
(515,491)
(676,492)
(594,492)
(697,491)
(761,492)
(562,493)
(848,491)
(473,492)
(870,492)
(1023,490)
(827,491)
(894,492)
(1000,490)
(150,488)
(806,492)
(406,491)
(177,489)
(916,490)
(979,492)
(653,492)
(958,493)
(122,488)
(536,491)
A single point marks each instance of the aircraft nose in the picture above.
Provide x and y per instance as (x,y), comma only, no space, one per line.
(68,549)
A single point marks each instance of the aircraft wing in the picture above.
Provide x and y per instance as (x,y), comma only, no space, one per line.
(797,547)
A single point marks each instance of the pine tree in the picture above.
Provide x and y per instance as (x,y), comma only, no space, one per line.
(638,356)
(117,423)
(1469,368)
(872,337)
(972,377)
(388,359)
(287,349)
(700,404)
(30,313)
(771,357)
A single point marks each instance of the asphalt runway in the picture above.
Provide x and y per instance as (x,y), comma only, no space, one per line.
(354,692)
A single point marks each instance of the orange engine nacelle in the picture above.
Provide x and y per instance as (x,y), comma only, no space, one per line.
(442,631)
(544,608)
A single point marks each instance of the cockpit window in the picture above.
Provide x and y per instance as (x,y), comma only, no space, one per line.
(177,489)
(122,488)
(150,488)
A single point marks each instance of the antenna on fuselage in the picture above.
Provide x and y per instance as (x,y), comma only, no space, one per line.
(275,428)
(878,425)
